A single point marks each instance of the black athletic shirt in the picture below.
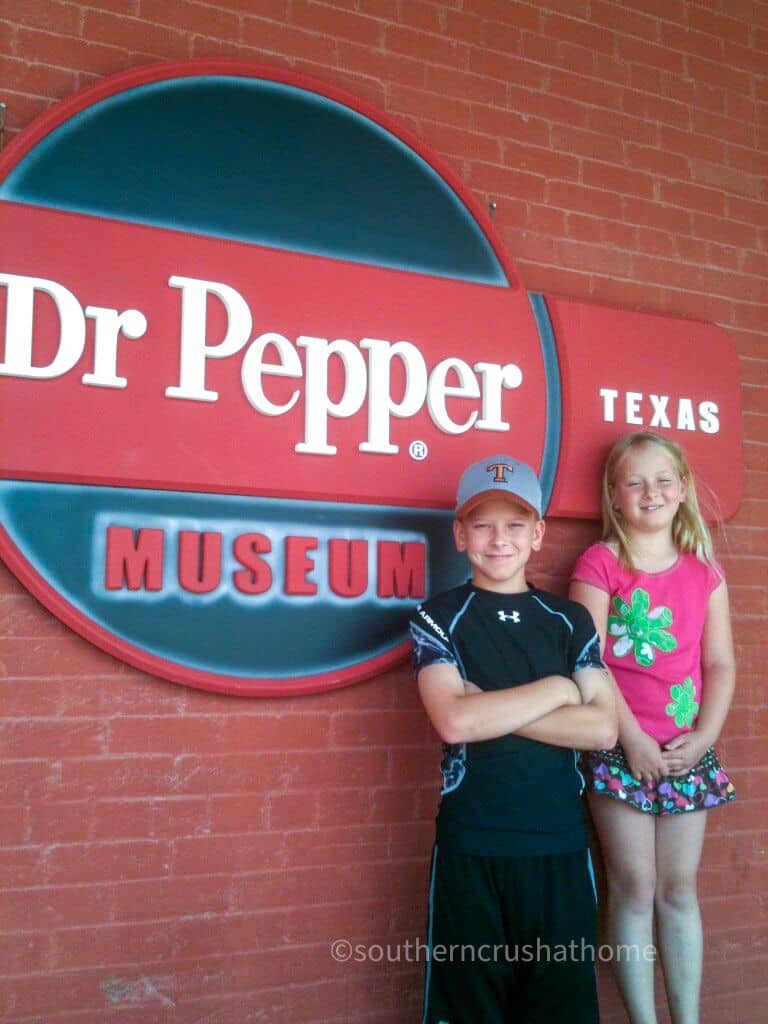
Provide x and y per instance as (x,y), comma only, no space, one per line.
(509,795)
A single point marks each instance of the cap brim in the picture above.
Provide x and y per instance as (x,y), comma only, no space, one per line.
(490,495)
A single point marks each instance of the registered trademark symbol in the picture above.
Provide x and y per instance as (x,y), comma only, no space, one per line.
(418,450)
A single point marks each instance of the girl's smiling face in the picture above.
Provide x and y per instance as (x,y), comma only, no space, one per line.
(498,537)
(647,490)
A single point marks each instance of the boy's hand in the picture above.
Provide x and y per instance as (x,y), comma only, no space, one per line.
(470,688)
(645,758)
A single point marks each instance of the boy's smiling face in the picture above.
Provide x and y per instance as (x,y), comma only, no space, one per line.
(498,537)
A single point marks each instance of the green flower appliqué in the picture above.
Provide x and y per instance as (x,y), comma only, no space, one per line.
(683,707)
(640,628)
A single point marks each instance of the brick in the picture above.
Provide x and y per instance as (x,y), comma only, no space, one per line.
(730,911)
(132,34)
(297,809)
(228,773)
(660,243)
(643,78)
(623,236)
(22,616)
(382,729)
(170,897)
(36,79)
(190,734)
(640,51)
(725,231)
(20,111)
(475,88)
(270,37)
(30,951)
(192,17)
(625,21)
(693,197)
(56,907)
(278,10)
(129,776)
(595,38)
(751,60)
(55,993)
(46,14)
(678,37)
(21,866)
(59,822)
(500,36)
(54,739)
(706,123)
(586,90)
(717,25)
(426,17)
(431,49)
(743,109)
(383,66)
(543,219)
(747,210)
(433,106)
(584,229)
(515,71)
(114,944)
(721,73)
(697,94)
(224,855)
(336,23)
(657,215)
(584,200)
(622,125)
(602,259)
(675,10)
(592,144)
(466,27)
(521,15)
(611,69)
(617,179)
(84,862)
(691,145)
(505,181)
(456,142)
(345,844)
(52,657)
(509,124)
(654,108)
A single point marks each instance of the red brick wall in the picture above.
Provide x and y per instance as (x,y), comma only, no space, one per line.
(175,856)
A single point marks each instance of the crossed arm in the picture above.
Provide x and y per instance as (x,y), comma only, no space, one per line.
(578,712)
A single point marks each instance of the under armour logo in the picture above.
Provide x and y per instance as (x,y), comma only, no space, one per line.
(514,616)
(500,468)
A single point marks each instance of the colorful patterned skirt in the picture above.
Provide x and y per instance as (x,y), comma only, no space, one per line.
(705,785)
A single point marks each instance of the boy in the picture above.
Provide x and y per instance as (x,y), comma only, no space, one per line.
(512,680)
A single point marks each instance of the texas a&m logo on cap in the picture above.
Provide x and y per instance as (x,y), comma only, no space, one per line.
(240,375)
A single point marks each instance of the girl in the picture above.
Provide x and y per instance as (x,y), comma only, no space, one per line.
(660,604)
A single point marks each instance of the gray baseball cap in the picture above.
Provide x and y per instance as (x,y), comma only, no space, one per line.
(498,476)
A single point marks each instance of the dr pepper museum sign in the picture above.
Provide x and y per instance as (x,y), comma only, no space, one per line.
(252,329)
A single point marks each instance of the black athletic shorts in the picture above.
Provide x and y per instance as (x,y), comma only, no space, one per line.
(511,940)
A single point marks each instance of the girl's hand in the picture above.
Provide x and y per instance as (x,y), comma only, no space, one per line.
(645,757)
(683,752)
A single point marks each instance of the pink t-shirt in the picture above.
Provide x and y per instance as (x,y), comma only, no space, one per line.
(653,637)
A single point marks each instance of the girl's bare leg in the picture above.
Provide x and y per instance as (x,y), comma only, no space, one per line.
(628,841)
(679,839)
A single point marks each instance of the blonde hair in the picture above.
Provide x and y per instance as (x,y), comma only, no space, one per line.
(690,533)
